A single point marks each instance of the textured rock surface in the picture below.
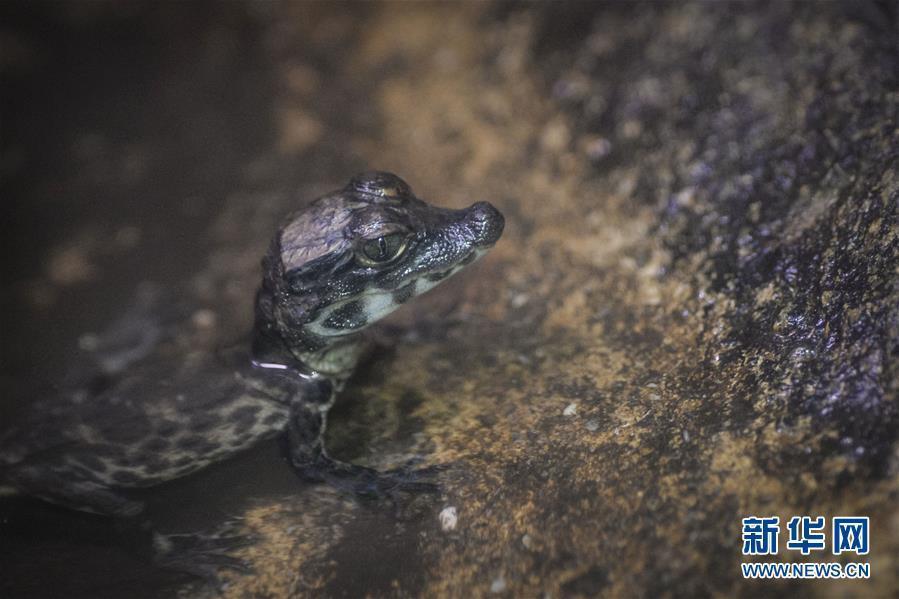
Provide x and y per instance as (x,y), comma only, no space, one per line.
(692,315)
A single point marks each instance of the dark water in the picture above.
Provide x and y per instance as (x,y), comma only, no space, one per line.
(123,131)
(116,120)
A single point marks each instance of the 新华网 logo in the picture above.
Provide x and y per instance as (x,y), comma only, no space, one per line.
(806,534)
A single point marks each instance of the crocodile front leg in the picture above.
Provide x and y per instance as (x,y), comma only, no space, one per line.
(309,459)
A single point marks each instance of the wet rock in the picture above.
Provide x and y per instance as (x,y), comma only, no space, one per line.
(702,217)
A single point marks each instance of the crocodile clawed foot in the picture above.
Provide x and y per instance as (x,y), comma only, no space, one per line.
(372,484)
(202,555)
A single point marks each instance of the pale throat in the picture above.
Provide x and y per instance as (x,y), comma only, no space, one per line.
(344,350)
(337,359)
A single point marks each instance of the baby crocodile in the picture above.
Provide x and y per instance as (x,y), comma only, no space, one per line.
(333,268)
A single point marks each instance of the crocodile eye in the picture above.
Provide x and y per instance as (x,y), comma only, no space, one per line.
(382,250)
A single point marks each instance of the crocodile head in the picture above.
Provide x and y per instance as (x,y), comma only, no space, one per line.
(355,255)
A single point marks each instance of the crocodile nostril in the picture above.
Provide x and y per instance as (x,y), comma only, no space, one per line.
(486,221)
(482,211)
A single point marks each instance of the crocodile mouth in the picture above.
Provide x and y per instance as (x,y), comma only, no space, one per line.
(438,275)
(432,278)
(353,314)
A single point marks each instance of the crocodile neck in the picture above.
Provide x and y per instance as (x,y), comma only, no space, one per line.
(334,358)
